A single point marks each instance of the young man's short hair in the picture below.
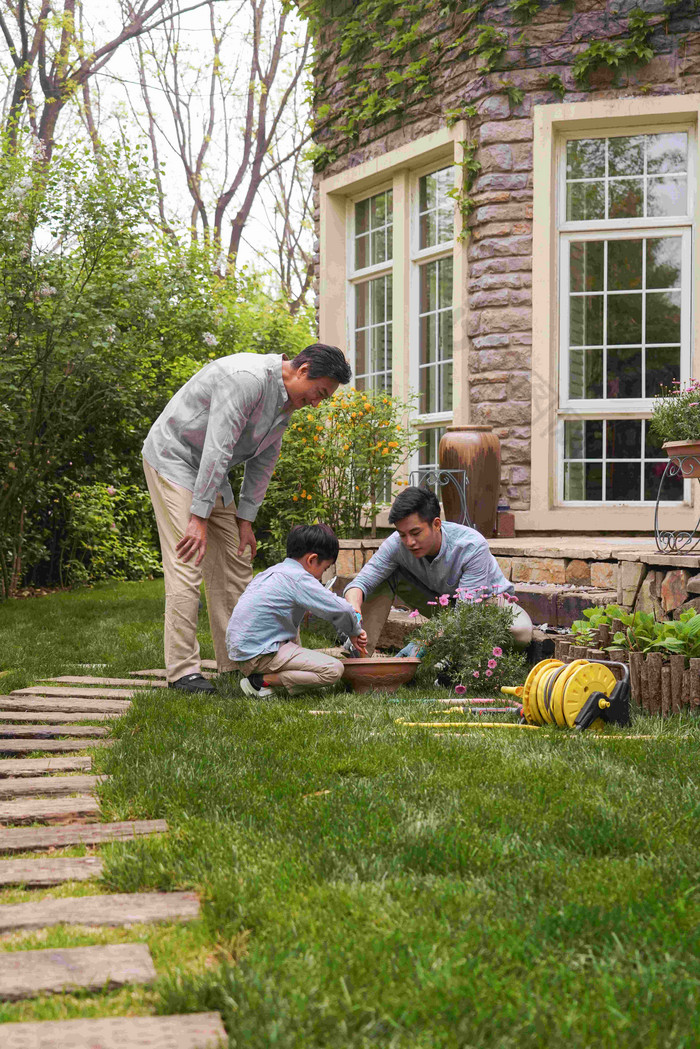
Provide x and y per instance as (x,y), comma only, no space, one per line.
(313,539)
(323,360)
(415,500)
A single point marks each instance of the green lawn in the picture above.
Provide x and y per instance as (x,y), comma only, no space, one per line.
(366,884)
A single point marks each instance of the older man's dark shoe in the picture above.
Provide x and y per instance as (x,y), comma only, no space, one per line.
(192,683)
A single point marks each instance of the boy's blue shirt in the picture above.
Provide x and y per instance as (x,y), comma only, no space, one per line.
(270,611)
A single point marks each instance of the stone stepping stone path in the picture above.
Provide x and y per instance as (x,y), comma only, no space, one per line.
(26,839)
(13,767)
(157,677)
(26,974)
(62,690)
(49,746)
(43,718)
(55,870)
(43,785)
(82,807)
(104,682)
(67,704)
(49,731)
(114,910)
(198,1031)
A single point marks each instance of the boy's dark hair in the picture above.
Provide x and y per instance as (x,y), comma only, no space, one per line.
(415,500)
(324,360)
(313,539)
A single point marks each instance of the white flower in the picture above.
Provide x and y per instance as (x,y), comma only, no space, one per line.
(210,338)
(111,331)
(149,314)
(46,289)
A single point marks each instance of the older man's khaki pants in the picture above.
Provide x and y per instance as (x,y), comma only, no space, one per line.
(224,572)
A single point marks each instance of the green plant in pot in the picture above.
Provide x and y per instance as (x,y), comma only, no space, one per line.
(676,423)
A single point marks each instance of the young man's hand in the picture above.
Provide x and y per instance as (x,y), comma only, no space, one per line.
(360,642)
(245,529)
(194,541)
(355,597)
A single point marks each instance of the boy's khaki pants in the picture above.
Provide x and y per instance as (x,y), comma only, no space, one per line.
(299,668)
(224,572)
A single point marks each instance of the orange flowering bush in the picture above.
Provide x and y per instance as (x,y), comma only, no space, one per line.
(338,463)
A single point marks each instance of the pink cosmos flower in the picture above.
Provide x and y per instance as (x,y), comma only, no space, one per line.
(497,651)
(431,602)
(475,673)
(492,664)
(413,614)
(444,599)
(460,690)
(488,673)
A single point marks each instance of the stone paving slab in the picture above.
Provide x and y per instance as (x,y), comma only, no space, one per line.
(24,839)
(53,785)
(49,746)
(49,810)
(159,675)
(26,974)
(126,908)
(61,690)
(197,1031)
(103,682)
(54,717)
(41,872)
(64,703)
(12,767)
(34,731)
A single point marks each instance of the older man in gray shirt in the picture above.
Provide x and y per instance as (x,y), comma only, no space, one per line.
(424,559)
(235,410)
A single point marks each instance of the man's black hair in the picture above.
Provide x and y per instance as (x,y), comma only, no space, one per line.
(415,500)
(324,360)
(312,539)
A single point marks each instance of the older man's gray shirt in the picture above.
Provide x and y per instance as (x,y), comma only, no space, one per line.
(464,562)
(230,412)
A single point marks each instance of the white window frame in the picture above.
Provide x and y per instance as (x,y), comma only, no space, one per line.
(617,229)
(365,274)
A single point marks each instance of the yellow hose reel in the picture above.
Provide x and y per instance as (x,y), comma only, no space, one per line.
(582,694)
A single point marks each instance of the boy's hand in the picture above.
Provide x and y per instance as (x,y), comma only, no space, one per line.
(245,530)
(360,642)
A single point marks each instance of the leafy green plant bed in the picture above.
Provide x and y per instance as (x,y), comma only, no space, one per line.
(367,884)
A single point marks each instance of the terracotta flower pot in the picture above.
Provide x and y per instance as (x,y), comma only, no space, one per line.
(686,454)
(477,451)
(381,675)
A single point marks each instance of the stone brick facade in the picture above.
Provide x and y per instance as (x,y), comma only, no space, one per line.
(499,324)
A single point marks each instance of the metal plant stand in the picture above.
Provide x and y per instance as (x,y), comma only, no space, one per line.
(429,477)
(682,541)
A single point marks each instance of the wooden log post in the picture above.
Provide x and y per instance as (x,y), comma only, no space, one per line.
(695,683)
(604,635)
(654,662)
(564,651)
(665,690)
(677,663)
(644,686)
(578,651)
(636,663)
(687,687)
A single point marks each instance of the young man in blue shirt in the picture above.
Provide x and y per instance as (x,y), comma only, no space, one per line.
(425,558)
(262,633)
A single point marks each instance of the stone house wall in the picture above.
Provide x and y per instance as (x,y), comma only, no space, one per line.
(500,241)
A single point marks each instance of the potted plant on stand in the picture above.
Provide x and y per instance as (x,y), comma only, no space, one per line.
(675,422)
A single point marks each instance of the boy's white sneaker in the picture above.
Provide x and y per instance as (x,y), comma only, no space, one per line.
(253,686)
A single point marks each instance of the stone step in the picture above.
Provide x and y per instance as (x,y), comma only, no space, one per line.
(49,810)
(53,718)
(13,767)
(25,839)
(60,690)
(559,604)
(137,908)
(196,1031)
(34,731)
(160,675)
(54,785)
(49,746)
(102,682)
(26,974)
(41,872)
(64,703)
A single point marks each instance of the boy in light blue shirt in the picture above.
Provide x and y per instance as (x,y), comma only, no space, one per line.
(262,633)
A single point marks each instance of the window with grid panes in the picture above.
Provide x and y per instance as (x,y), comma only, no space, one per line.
(372,279)
(625,264)
(434,261)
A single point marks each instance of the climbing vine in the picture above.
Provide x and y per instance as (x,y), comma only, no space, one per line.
(388,57)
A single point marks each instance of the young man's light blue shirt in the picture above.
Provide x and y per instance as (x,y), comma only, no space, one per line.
(464,562)
(270,611)
(232,411)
